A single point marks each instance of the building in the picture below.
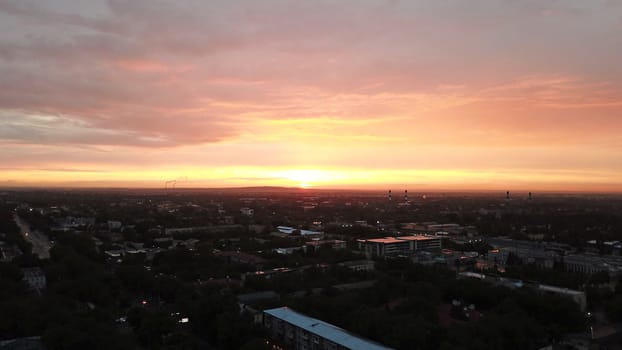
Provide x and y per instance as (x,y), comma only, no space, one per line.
(71,222)
(359,265)
(247,303)
(542,254)
(250,298)
(575,295)
(114,225)
(247,211)
(305,233)
(433,227)
(592,263)
(384,246)
(334,244)
(421,242)
(35,278)
(9,252)
(27,343)
(504,242)
(292,330)
(241,258)
(539,257)
(287,250)
(403,245)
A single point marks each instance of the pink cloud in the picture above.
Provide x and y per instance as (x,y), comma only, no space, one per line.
(219,77)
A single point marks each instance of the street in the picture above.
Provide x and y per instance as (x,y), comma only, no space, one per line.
(40,243)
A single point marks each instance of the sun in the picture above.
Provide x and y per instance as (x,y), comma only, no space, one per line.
(305,178)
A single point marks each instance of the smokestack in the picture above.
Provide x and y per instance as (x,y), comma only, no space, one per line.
(390,195)
(405,195)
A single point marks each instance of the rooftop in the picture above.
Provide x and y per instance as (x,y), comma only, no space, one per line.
(317,243)
(417,238)
(289,230)
(325,330)
(241,256)
(385,240)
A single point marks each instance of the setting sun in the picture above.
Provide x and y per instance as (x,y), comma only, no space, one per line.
(307,178)
(257,94)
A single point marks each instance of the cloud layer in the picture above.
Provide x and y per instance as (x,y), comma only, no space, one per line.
(524,86)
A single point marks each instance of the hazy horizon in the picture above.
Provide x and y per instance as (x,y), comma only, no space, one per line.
(478,95)
(397,191)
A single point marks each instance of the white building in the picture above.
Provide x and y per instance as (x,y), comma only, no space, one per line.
(402,245)
(293,330)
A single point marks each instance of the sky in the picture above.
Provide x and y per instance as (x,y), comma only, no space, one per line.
(448,94)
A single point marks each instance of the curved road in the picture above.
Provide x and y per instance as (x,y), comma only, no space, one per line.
(40,243)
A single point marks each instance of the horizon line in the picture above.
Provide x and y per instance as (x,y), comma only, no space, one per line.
(397,189)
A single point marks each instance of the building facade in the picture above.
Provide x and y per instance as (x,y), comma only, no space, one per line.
(292,330)
(402,245)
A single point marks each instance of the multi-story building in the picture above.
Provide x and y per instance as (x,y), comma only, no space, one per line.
(292,330)
(421,242)
(384,246)
(402,245)
(359,265)
(592,263)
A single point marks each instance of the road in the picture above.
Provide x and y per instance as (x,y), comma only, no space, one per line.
(40,243)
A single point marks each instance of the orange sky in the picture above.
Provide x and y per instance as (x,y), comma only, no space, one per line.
(350,94)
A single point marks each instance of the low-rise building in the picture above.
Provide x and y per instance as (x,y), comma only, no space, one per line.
(241,258)
(334,244)
(575,295)
(114,225)
(27,343)
(287,250)
(294,231)
(540,257)
(359,265)
(35,278)
(9,251)
(247,211)
(250,298)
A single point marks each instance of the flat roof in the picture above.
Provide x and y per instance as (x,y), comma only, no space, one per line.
(325,330)
(560,290)
(385,240)
(330,241)
(289,230)
(417,238)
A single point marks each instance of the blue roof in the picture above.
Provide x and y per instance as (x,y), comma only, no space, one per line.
(325,330)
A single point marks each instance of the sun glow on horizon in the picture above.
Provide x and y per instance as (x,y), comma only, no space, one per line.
(342,178)
(305,178)
(272,99)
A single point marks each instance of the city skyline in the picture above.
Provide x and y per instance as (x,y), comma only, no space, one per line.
(484,95)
